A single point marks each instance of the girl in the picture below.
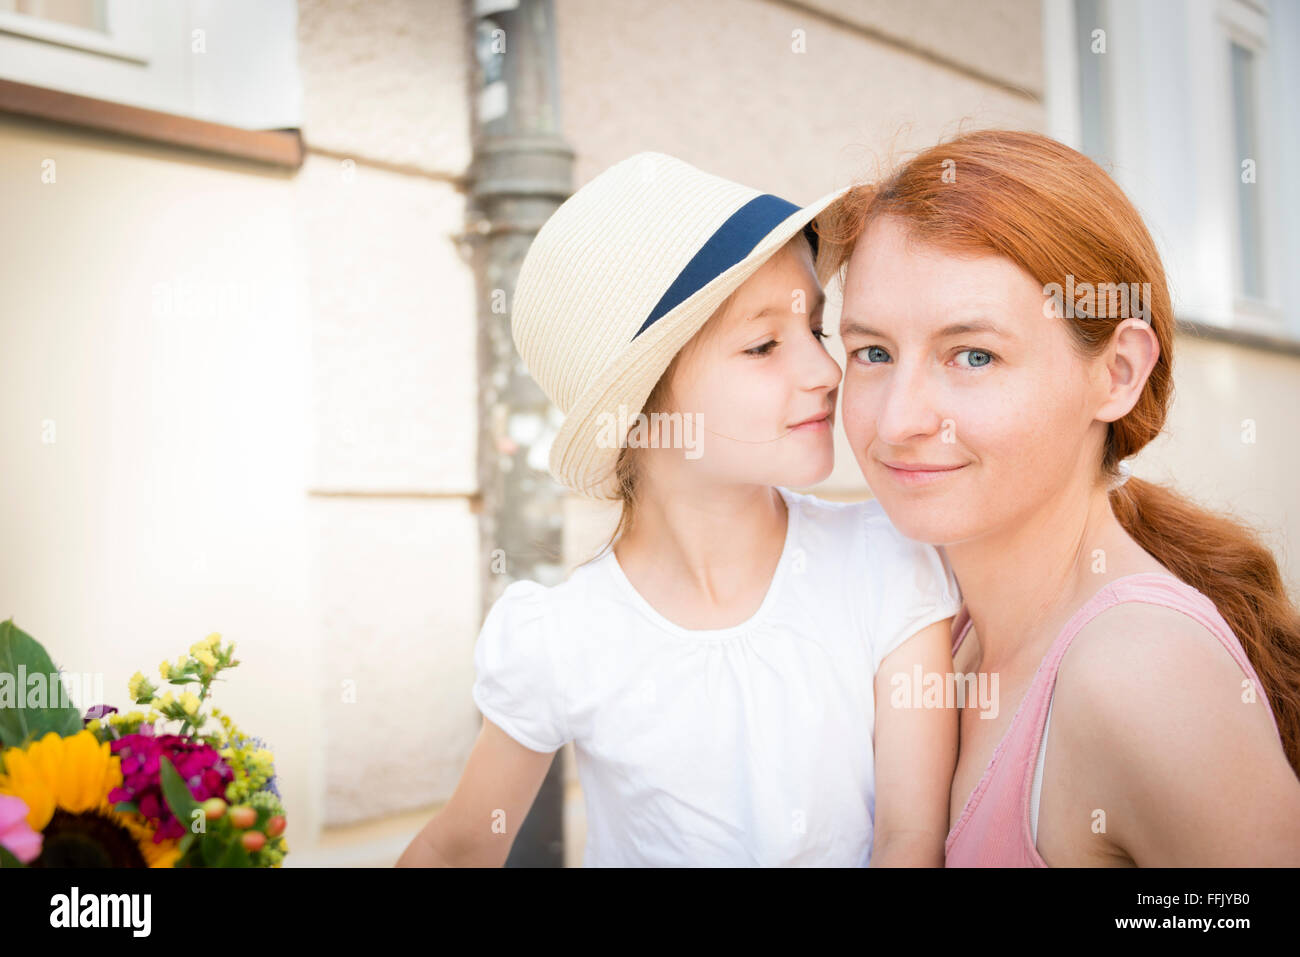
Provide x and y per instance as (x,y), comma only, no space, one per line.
(724,664)
(1009,335)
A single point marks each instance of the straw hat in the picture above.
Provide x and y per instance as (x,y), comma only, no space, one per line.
(620,277)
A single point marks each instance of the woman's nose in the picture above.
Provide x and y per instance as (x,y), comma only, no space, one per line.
(907,409)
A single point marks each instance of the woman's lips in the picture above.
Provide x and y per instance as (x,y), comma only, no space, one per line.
(914,475)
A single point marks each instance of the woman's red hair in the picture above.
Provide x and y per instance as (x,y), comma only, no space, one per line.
(1056,213)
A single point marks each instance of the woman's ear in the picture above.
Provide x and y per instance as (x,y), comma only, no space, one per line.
(1129,359)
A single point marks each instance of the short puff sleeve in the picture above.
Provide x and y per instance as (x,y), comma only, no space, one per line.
(911,585)
(516,685)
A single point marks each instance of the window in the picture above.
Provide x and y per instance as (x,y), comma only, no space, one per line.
(1186,103)
(104,27)
(88,14)
(1245,130)
(225,61)
(1094,82)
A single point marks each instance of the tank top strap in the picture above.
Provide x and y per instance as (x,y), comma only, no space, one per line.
(995,827)
(1154,588)
(960,625)
(1026,732)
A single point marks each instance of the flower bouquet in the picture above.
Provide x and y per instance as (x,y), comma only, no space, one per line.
(123,790)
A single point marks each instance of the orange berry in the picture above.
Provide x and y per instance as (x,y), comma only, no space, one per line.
(243,816)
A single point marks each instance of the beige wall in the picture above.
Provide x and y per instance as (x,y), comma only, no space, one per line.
(286,456)
(171,502)
(1222,394)
(284,453)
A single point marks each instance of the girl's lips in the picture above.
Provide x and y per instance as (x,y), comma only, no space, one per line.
(817,425)
(920,476)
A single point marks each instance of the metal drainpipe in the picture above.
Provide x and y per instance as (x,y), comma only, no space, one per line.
(522,171)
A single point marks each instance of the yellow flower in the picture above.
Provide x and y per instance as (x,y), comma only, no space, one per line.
(133,686)
(166,701)
(206,658)
(190,702)
(65,783)
(165,669)
(213,639)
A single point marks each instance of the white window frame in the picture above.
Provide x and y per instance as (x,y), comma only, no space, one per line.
(246,76)
(1245,22)
(1174,147)
(127,37)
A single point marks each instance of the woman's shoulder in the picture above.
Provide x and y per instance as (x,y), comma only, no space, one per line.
(1151,620)
(1159,655)
(1149,696)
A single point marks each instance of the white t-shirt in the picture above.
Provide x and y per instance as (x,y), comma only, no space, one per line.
(749,745)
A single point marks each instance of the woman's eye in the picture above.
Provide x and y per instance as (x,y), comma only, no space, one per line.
(874,354)
(977,357)
(823,336)
(762,350)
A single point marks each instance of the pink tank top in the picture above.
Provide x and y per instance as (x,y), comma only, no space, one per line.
(994,827)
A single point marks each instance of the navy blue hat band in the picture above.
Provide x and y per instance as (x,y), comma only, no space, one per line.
(730,243)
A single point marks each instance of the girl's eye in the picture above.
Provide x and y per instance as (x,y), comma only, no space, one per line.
(874,354)
(767,347)
(978,357)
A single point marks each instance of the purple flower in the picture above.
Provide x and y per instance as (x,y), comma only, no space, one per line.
(100,711)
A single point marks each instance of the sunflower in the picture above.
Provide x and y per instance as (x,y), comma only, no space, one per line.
(65,782)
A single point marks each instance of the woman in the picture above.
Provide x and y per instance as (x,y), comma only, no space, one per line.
(1147,654)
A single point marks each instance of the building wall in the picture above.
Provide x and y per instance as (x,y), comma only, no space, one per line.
(283,451)
(263,390)
(155,313)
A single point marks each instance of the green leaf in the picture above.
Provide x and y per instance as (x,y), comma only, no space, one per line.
(212,848)
(236,855)
(8,860)
(176,793)
(18,724)
(126,807)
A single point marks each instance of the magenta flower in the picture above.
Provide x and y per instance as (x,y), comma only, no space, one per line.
(199,765)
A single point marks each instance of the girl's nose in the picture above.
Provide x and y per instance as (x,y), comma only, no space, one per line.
(823,372)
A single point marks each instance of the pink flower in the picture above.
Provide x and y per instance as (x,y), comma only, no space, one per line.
(16,836)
